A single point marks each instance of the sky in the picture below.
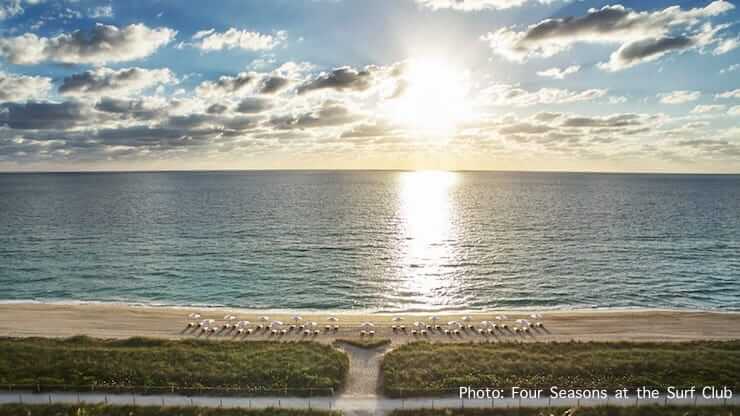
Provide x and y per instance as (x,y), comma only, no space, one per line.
(579,85)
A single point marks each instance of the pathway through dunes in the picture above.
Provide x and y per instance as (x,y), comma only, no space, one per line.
(363,379)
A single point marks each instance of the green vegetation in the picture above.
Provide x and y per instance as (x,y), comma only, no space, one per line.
(101,410)
(420,369)
(152,365)
(369,344)
(581,411)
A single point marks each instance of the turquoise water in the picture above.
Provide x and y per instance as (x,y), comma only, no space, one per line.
(372,240)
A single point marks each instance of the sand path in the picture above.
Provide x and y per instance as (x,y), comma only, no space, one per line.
(363,378)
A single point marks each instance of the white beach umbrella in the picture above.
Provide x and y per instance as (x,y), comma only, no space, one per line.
(434,318)
(332,318)
(276,323)
(418,324)
(265,318)
(466,318)
(453,323)
(229,317)
(397,318)
(313,323)
(484,323)
(194,315)
(297,318)
(367,324)
(536,316)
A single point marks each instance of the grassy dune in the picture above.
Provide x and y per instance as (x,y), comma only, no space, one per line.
(582,411)
(420,369)
(100,410)
(140,364)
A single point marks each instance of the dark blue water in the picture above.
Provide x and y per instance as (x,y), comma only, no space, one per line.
(372,240)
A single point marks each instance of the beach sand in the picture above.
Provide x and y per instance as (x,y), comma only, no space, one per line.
(124,321)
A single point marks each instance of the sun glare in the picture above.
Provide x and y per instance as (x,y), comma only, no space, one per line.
(428,227)
(433,97)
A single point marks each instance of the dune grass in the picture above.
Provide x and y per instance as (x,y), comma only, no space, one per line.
(101,410)
(148,365)
(581,411)
(424,369)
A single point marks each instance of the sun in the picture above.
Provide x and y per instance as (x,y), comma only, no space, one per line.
(430,96)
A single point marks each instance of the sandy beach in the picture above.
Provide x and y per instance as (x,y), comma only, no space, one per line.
(124,321)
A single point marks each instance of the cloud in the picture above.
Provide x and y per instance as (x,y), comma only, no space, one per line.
(731,68)
(340,79)
(645,50)
(100,45)
(729,94)
(100,12)
(703,109)
(147,108)
(734,110)
(679,97)
(513,95)
(559,73)
(34,116)
(106,81)
(254,105)
(329,114)
(642,36)
(612,121)
(348,79)
(23,87)
(273,84)
(10,8)
(474,5)
(210,40)
(227,85)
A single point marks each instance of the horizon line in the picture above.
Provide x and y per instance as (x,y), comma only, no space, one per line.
(595,172)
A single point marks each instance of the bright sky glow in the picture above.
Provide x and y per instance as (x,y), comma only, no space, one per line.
(588,85)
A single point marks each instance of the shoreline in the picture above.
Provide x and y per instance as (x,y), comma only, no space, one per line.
(370,312)
(105,320)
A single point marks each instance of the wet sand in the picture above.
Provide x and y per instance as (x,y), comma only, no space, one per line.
(124,321)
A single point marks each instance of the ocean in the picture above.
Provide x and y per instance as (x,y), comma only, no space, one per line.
(372,241)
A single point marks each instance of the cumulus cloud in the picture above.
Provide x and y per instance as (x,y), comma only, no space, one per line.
(729,94)
(10,8)
(99,12)
(106,81)
(704,109)
(102,44)
(474,5)
(227,85)
(340,79)
(731,68)
(147,108)
(679,97)
(211,40)
(273,84)
(559,73)
(42,115)
(254,105)
(734,110)
(513,95)
(642,36)
(329,114)
(23,87)
(350,79)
